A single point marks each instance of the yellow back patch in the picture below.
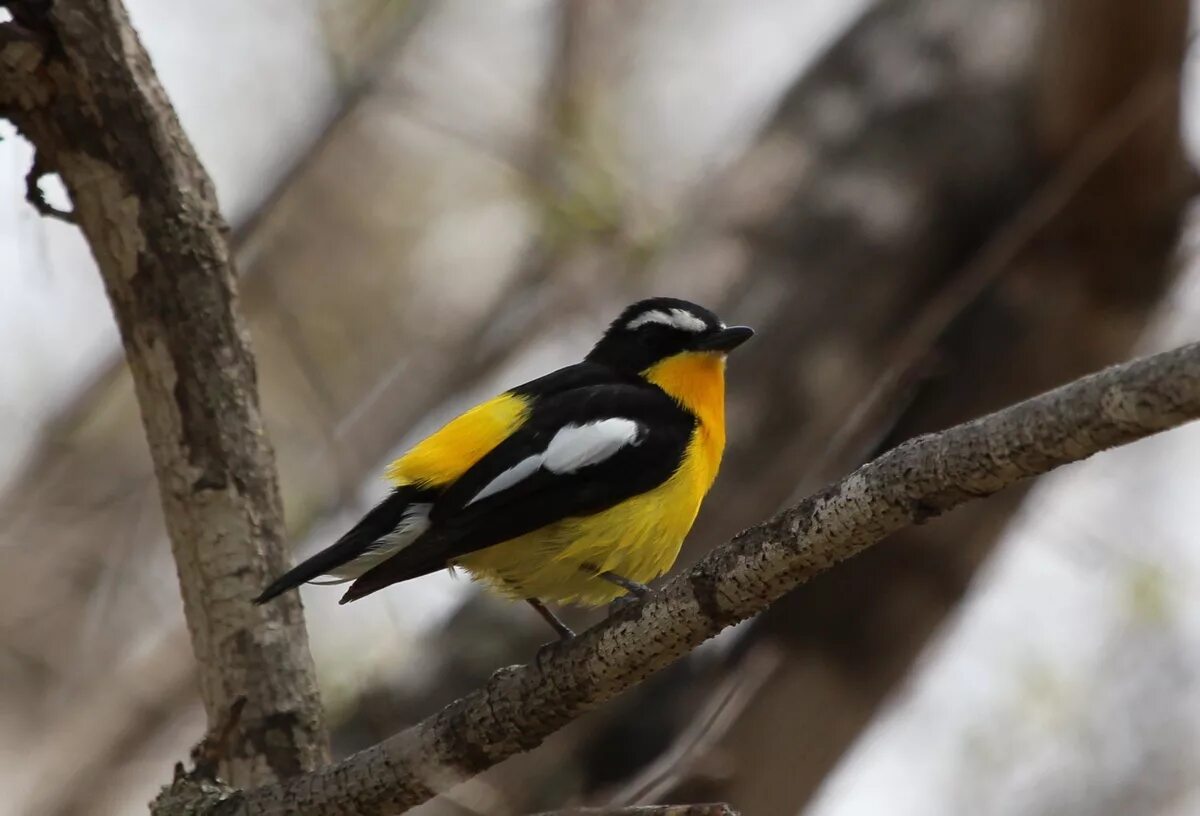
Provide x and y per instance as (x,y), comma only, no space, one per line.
(442,457)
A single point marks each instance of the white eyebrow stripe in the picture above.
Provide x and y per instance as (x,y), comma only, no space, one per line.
(676,318)
(572,448)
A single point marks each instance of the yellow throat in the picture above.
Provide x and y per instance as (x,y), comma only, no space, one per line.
(697,382)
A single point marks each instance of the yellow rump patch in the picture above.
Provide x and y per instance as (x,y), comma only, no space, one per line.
(442,457)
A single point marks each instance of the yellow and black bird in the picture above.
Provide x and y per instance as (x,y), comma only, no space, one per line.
(576,487)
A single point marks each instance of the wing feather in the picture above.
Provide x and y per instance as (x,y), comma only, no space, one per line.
(572,447)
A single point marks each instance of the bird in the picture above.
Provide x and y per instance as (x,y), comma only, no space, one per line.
(577,487)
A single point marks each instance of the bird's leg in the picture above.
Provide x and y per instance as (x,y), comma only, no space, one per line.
(640,591)
(634,591)
(564,631)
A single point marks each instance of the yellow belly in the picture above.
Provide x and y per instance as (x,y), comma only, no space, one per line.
(638,539)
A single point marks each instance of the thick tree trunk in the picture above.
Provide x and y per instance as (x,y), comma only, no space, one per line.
(78,84)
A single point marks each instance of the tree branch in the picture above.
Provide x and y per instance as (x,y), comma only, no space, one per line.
(918,480)
(77,83)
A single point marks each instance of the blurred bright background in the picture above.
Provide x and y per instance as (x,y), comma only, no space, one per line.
(929,209)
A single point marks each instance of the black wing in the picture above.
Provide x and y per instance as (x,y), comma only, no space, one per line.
(463,521)
(574,377)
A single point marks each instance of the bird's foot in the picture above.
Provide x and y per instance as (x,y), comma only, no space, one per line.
(564,631)
(628,600)
(637,590)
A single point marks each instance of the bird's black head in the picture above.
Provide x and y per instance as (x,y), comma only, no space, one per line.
(658,328)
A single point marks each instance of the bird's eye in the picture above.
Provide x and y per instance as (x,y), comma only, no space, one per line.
(662,341)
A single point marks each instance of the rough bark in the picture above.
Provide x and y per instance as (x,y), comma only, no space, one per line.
(910,484)
(77,83)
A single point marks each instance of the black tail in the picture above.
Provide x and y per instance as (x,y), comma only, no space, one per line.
(430,554)
(380,521)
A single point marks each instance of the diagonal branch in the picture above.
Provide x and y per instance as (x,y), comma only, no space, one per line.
(916,481)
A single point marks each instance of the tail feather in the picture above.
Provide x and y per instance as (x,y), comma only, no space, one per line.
(431,553)
(376,524)
(400,567)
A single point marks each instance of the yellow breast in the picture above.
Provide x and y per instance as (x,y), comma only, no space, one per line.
(697,381)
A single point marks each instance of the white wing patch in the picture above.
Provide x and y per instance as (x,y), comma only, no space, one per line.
(572,448)
(680,319)
(413,523)
(517,473)
(577,446)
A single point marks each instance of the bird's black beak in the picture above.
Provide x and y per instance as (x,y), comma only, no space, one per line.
(725,339)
